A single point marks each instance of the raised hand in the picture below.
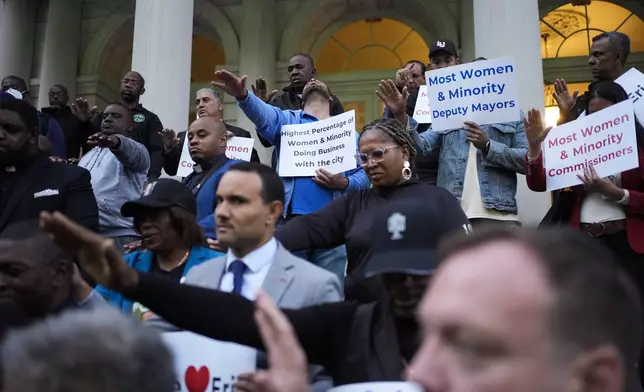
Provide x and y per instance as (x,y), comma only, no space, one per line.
(81,110)
(535,131)
(565,101)
(403,77)
(97,255)
(287,361)
(169,138)
(260,89)
(102,140)
(395,100)
(231,84)
(329,180)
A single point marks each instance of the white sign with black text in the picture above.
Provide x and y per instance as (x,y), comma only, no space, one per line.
(328,144)
(239,148)
(422,112)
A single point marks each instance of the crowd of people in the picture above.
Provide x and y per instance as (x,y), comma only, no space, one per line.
(412,265)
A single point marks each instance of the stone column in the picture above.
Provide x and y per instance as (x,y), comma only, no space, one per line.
(511,28)
(17,21)
(257,56)
(61,49)
(162,54)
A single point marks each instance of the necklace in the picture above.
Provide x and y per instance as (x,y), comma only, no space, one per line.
(183,260)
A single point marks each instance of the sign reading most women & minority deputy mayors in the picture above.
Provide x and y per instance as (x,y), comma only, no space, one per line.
(484,92)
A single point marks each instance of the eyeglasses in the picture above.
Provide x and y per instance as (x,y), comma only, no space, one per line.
(376,155)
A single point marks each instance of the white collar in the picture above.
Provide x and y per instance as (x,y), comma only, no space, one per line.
(256,259)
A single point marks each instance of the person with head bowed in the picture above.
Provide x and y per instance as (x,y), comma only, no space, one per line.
(209,103)
(30,181)
(304,195)
(118,166)
(37,278)
(173,241)
(607,209)
(354,342)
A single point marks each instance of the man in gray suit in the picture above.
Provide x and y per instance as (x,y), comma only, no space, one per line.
(250,200)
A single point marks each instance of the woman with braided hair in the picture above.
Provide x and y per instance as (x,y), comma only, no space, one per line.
(386,151)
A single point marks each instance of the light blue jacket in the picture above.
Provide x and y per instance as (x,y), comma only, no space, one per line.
(118,175)
(497,169)
(269,120)
(142,261)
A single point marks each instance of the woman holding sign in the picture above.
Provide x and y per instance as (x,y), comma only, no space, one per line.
(609,209)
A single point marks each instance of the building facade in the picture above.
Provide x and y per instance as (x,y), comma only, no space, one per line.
(88,45)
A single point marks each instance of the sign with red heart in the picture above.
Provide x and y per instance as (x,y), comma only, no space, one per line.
(203,364)
(197,380)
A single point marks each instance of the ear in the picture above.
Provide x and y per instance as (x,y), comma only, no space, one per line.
(62,270)
(599,370)
(275,211)
(142,91)
(618,57)
(314,72)
(130,125)
(458,60)
(220,106)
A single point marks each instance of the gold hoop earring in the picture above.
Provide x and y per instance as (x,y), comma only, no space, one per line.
(406,171)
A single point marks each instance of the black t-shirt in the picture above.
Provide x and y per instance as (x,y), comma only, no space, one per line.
(174,275)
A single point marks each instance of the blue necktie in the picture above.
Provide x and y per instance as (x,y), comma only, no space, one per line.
(238,268)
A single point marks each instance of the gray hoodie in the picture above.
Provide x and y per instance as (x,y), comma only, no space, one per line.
(118,175)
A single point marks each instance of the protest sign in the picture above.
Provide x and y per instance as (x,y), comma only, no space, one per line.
(328,144)
(605,139)
(203,364)
(379,387)
(484,92)
(422,113)
(239,148)
(633,82)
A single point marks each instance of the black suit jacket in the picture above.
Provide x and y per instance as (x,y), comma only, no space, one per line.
(171,158)
(49,186)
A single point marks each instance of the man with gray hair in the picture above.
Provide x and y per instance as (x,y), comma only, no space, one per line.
(209,103)
(98,351)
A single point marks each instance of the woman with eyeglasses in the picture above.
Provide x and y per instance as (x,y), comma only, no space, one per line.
(387,153)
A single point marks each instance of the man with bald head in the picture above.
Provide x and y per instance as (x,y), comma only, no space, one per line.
(529,311)
(208,103)
(207,137)
(146,124)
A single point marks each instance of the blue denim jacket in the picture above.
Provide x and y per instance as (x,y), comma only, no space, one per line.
(269,119)
(497,169)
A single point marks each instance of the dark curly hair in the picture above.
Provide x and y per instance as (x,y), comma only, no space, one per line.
(397,131)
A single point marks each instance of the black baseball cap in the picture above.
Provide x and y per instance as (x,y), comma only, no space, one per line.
(443,45)
(406,237)
(162,193)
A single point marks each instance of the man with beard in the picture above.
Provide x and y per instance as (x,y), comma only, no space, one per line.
(29,181)
(608,54)
(119,167)
(301,69)
(48,127)
(146,126)
(209,103)
(73,129)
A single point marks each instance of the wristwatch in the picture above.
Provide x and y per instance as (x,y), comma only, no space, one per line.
(487,147)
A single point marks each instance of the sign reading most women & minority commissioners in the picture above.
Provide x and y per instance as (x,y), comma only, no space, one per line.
(484,92)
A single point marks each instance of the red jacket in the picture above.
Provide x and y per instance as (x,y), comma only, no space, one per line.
(632,180)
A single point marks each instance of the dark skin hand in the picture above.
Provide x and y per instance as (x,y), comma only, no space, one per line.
(102,140)
(97,255)
(261,90)
(395,100)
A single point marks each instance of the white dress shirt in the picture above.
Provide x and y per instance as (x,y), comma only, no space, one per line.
(258,262)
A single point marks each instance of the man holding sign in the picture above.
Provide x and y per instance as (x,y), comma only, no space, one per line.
(477,163)
(308,184)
